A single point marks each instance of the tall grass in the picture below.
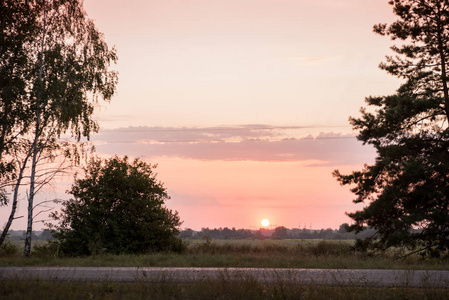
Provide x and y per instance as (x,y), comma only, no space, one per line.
(221,288)
(229,253)
(320,248)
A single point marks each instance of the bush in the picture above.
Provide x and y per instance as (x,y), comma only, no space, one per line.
(9,249)
(118,207)
(324,248)
(51,249)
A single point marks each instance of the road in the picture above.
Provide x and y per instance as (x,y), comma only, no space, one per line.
(353,277)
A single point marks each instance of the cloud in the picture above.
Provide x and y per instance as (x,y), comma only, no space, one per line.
(193,200)
(189,134)
(309,58)
(234,143)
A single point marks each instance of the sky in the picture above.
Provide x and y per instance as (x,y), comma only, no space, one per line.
(243,104)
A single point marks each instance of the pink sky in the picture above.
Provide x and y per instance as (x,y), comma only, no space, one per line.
(227,62)
(243,103)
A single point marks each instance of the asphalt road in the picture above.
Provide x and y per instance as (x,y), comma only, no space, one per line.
(353,277)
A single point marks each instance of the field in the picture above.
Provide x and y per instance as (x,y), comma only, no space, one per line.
(239,253)
(224,253)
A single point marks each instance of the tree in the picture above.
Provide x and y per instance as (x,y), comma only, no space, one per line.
(407,188)
(118,207)
(280,233)
(17,30)
(54,69)
(343,228)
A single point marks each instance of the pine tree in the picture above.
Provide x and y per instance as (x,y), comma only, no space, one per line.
(407,188)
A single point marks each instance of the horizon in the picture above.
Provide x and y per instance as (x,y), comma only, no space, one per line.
(269,228)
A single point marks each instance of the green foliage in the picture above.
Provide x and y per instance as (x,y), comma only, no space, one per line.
(70,69)
(54,65)
(8,249)
(407,188)
(118,207)
(18,28)
(50,249)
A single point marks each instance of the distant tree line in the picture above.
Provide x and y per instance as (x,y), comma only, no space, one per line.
(280,232)
(20,235)
(226,233)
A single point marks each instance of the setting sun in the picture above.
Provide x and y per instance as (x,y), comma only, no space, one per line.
(265,222)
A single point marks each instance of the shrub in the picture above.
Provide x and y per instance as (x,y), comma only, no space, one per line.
(118,207)
(50,249)
(9,249)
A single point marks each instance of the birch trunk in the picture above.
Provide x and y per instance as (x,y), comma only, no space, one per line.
(14,201)
(35,150)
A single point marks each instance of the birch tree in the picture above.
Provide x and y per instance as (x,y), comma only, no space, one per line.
(67,71)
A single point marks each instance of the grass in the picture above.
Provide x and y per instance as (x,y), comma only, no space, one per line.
(239,253)
(222,288)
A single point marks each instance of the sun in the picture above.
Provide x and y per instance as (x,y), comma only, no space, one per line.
(265,222)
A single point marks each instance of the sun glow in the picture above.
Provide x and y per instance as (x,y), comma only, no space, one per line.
(265,222)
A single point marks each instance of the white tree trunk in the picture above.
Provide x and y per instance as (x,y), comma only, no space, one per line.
(37,134)
(14,200)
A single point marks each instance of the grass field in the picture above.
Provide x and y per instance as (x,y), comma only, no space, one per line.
(239,253)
